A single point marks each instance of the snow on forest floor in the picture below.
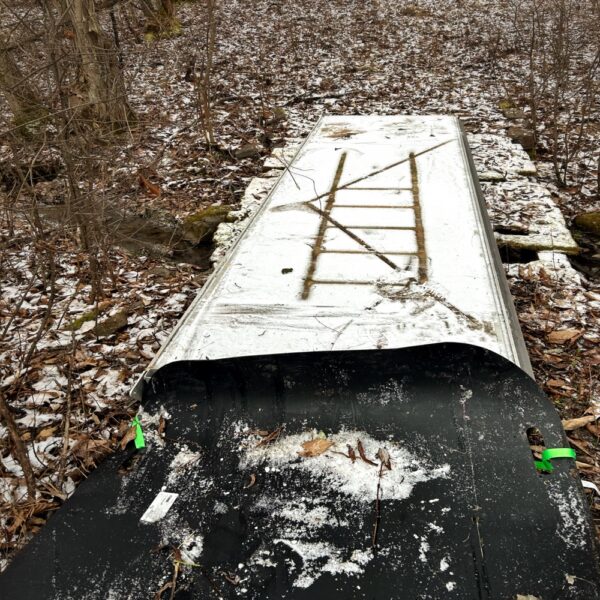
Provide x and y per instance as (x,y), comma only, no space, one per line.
(276,73)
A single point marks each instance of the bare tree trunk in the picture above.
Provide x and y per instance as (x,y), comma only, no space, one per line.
(23,101)
(204,87)
(105,86)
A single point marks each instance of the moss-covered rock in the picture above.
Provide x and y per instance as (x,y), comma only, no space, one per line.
(163,27)
(506,103)
(514,114)
(200,227)
(90,315)
(76,324)
(588,222)
(111,325)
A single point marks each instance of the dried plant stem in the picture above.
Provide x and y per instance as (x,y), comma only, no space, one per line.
(19,448)
(67,416)
(377,510)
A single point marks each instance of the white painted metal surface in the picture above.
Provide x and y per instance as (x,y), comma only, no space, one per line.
(373,238)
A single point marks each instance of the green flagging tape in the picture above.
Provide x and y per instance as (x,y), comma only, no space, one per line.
(139,441)
(552,453)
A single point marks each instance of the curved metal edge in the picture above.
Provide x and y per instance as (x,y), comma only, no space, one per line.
(522,354)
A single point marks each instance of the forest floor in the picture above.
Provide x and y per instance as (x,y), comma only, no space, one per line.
(67,370)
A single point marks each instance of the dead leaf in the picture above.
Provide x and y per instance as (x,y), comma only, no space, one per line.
(162,424)
(46,433)
(562,336)
(361,452)
(271,437)
(593,359)
(557,383)
(128,437)
(384,456)
(593,429)
(351,453)
(123,427)
(152,188)
(583,466)
(571,424)
(251,482)
(88,450)
(580,444)
(54,491)
(315,447)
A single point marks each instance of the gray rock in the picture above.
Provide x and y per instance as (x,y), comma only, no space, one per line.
(247,151)
(200,227)
(111,325)
(513,114)
(589,222)
(522,136)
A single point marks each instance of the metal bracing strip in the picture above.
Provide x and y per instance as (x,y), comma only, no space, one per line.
(378,189)
(322,227)
(382,170)
(369,227)
(327,221)
(349,282)
(380,255)
(420,233)
(325,251)
(408,207)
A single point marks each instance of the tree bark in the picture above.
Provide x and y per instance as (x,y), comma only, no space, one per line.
(100,67)
(22,100)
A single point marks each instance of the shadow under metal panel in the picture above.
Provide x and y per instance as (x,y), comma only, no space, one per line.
(462,514)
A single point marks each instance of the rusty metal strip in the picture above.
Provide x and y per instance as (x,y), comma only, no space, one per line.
(409,207)
(382,170)
(379,189)
(349,282)
(325,251)
(357,239)
(317,246)
(420,232)
(376,227)
(328,221)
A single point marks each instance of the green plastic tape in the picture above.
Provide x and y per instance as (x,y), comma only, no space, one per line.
(550,454)
(139,441)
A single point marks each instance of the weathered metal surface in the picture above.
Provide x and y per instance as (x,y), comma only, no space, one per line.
(374,237)
(460,513)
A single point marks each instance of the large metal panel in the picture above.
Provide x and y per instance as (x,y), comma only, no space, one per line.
(374,237)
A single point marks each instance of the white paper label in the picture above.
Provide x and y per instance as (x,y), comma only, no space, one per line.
(159,508)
